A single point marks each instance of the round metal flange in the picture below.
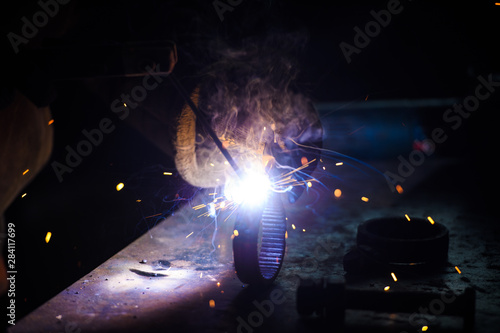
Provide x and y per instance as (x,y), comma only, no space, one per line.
(397,241)
(259,242)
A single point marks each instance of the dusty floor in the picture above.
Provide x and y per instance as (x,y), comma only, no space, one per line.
(134,291)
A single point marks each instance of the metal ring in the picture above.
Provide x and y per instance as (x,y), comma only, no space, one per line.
(259,243)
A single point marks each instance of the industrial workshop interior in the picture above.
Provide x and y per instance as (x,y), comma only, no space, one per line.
(249,166)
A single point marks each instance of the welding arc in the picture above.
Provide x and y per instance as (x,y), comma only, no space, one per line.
(204,122)
(259,248)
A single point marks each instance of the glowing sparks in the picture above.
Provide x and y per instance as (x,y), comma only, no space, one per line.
(303,160)
(394,277)
(339,163)
(236,233)
(365,199)
(303,230)
(218,284)
(297,169)
(199,206)
(309,184)
(120,186)
(22,196)
(167,173)
(407,217)
(324,168)
(51,121)
(387,288)
(26,171)
(211,303)
(211,164)
(458,270)
(425,328)
(47,237)
(399,188)
(286,234)
(138,200)
(430,220)
(293,226)
(190,234)
(337,193)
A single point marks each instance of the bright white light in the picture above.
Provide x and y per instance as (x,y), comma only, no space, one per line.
(211,209)
(252,189)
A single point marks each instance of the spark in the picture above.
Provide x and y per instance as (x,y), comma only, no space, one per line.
(387,288)
(211,303)
(339,163)
(337,193)
(218,284)
(425,328)
(293,226)
(399,188)
(22,196)
(430,220)
(286,234)
(51,121)
(211,164)
(120,186)
(458,270)
(26,171)
(407,217)
(299,168)
(138,200)
(394,277)
(190,234)
(304,160)
(236,233)
(201,275)
(147,217)
(324,168)
(167,173)
(303,230)
(365,199)
(357,129)
(47,237)
(309,184)
(199,206)
(229,216)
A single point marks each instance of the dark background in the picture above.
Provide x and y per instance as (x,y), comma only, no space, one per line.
(429,50)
